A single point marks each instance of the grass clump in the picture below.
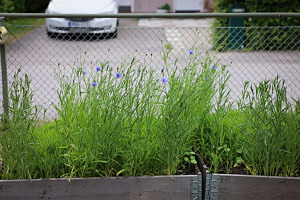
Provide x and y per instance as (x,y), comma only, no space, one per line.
(260,137)
(271,136)
(138,119)
(131,120)
(17,132)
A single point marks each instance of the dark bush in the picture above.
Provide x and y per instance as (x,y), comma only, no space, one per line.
(20,6)
(36,6)
(23,6)
(6,6)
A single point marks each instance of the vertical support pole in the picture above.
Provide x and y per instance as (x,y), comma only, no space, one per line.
(4,75)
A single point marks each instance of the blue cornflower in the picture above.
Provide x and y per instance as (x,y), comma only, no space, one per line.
(118,75)
(84,72)
(94,84)
(98,68)
(191,52)
(213,66)
(162,70)
(206,78)
(164,80)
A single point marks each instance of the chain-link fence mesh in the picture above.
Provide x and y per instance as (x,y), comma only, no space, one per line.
(247,56)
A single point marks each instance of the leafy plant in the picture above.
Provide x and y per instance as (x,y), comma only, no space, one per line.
(23,6)
(7,6)
(166,7)
(190,157)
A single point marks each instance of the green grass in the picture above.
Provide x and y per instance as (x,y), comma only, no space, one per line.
(272,131)
(138,119)
(26,21)
(27,26)
(262,135)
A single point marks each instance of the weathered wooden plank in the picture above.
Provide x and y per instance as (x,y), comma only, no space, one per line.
(237,187)
(111,188)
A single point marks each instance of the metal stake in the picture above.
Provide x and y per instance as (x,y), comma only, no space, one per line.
(4,76)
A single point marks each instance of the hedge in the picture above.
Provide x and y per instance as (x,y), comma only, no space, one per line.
(23,6)
(256,39)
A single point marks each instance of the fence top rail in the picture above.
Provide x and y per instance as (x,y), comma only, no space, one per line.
(152,15)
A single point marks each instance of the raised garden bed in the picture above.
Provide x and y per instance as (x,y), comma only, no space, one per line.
(236,186)
(218,186)
(156,187)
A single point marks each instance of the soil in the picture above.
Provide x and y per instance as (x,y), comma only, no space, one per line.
(190,169)
(234,170)
(187,169)
(239,170)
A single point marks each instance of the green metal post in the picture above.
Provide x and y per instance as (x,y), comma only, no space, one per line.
(4,76)
(236,28)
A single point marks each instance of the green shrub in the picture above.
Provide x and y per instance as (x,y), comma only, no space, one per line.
(165,6)
(23,6)
(20,6)
(7,6)
(36,6)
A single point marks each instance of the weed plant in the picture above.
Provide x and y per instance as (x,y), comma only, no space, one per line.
(138,119)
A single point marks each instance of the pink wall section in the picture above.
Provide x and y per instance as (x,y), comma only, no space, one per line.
(149,6)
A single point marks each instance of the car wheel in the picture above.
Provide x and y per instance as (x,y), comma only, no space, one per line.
(51,34)
(114,34)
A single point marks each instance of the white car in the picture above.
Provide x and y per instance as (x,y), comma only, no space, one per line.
(82,25)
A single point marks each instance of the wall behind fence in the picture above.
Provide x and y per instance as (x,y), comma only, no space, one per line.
(39,55)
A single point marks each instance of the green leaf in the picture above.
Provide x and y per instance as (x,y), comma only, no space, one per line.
(194,161)
(239,151)
(239,160)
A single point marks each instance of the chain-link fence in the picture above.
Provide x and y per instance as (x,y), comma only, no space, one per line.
(248,59)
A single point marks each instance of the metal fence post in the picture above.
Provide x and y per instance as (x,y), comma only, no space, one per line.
(4,75)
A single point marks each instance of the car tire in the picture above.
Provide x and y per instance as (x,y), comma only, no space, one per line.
(51,34)
(114,34)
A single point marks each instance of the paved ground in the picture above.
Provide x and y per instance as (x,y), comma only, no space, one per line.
(175,22)
(243,66)
(38,54)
